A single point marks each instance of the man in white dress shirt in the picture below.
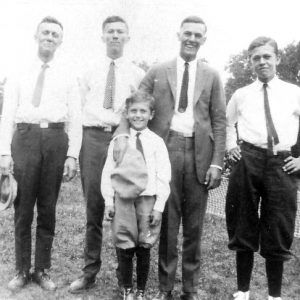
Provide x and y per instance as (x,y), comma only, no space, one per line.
(267,116)
(104,88)
(38,102)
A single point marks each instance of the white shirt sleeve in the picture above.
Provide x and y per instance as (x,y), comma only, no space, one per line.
(74,121)
(106,187)
(231,120)
(10,105)
(163,176)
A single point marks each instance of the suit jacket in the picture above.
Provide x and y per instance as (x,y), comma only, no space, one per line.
(209,111)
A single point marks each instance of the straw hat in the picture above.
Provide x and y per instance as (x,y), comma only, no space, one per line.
(129,179)
(8,191)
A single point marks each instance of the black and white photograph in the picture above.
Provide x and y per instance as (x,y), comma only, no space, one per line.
(149,150)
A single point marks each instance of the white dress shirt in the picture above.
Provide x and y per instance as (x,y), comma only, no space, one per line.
(60,102)
(246,107)
(184,122)
(127,79)
(158,168)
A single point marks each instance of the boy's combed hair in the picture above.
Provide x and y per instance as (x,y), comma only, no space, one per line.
(262,41)
(138,97)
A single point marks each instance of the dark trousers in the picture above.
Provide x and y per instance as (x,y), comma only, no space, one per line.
(187,202)
(39,156)
(92,158)
(259,176)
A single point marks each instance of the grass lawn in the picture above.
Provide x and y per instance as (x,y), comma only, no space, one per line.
(217,278)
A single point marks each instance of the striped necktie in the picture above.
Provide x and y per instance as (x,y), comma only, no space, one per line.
(110,87)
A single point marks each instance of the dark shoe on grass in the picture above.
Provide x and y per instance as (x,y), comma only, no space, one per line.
(140,295)
(19,281)
(163,295)
(81,284)
(189,296)
(43,280)
(128,294)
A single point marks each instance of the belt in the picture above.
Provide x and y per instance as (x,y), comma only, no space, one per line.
(107,128)
(282,154)
(177,133)
(43,125)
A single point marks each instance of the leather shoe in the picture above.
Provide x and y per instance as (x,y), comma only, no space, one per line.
(163,295)
(43,280)
(128,294)
(189,296)
(81,284)
(19,281)
(140,295)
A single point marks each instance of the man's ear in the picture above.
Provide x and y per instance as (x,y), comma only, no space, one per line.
(152,114)
(278,59)
(203,40)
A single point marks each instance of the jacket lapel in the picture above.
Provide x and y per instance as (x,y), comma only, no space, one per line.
(172,77)
(200,81)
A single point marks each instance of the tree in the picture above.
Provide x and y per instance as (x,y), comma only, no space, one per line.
(241,73)
(289,66)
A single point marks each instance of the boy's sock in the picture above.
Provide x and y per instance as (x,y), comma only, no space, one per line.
(142,266)
(125,266)
(244,265)
(274,270)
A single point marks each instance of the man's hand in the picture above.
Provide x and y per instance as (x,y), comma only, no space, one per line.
(109,212)
(213,178)
(235,154)
(292,165)
(120,146)
(6,164)
(69,169)
(155,217)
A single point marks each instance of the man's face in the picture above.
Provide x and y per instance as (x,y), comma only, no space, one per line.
(138,115)
(191,36)
(49,37)
(115,36)
(264,62)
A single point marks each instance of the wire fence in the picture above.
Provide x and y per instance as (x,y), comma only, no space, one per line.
(216,203)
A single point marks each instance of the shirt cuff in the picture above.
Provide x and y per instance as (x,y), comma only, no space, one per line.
(216,166)
(72,153)
(159,205)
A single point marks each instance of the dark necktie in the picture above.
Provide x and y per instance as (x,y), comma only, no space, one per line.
(38,90)
(138,144)
(272,134)
(110,87)
(183,99)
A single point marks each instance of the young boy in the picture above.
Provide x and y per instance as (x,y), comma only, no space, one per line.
(135,193)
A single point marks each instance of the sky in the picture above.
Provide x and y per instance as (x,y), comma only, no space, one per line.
(153,25)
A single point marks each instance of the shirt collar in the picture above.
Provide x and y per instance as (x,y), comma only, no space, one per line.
(181,62)
(117,61)
(133,132)
(271,83)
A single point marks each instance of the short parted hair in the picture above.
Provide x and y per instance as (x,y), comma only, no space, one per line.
(113,19)
(50,19)
(261,41)
(140,97)
(193,19)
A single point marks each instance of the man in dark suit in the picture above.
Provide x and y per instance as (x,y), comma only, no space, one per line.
(190,116)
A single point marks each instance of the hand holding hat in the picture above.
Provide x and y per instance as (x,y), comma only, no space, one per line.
(8,191)
(129,179)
